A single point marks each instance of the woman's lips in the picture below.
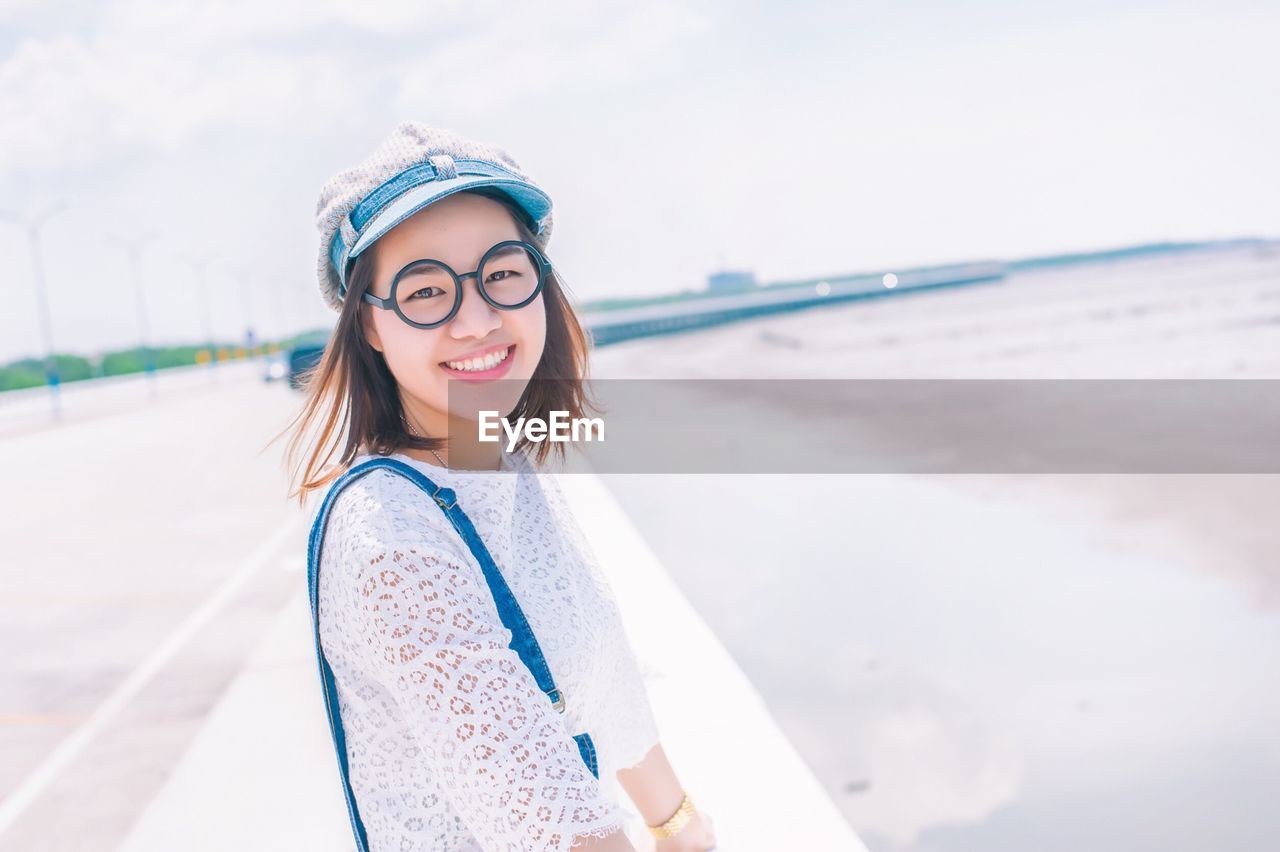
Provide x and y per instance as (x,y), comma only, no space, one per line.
(484,375)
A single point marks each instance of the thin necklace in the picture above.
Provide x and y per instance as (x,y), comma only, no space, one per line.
(417,434)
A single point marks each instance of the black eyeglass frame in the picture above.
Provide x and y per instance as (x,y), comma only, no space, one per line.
(390,303)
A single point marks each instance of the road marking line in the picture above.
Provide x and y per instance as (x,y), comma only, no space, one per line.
(40,718)
(44,774)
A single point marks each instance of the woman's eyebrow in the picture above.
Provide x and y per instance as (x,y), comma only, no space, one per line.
(475,262)
(421,270)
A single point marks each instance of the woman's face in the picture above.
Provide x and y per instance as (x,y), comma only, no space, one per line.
(458,230)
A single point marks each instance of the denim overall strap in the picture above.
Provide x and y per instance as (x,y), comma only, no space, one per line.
(522,641)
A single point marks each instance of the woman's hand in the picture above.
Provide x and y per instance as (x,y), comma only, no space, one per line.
(696,836)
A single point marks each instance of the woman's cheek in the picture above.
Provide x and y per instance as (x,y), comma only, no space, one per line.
(535,335)
(409,359)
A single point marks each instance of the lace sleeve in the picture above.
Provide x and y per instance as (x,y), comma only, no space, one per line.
(635,730)
(504,756)
(627,729)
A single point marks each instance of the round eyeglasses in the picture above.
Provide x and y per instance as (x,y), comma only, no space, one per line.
(428,293)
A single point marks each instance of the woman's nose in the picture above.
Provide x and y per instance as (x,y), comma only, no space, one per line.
(475,317)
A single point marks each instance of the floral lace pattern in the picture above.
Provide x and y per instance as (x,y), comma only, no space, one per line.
(450,742)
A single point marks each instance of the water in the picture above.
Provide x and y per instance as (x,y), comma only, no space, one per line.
(965,672)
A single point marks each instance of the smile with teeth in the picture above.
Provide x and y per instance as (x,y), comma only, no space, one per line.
(475,365)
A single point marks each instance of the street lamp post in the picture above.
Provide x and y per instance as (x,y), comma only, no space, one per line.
(243,277)
(246,297)
(32,227)
(199,264)
(134,247)
(277,287)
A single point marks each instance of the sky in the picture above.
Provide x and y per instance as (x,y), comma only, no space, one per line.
(675,138)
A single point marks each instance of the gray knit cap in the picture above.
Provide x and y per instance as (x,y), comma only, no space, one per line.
(414,166)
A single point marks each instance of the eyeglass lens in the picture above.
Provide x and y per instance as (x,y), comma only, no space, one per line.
(426,291)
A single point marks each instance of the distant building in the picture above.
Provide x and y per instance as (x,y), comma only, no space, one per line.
(730,282)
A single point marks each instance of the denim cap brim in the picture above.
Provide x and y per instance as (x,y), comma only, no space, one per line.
(533,201)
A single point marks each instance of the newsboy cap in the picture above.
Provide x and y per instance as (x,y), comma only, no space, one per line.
(414,166)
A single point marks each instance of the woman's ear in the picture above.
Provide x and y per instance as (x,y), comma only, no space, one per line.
(364,311)
(370,330)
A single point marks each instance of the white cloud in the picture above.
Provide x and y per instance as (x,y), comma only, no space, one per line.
(196,21)
(527,52)
(158,74)
(73,102)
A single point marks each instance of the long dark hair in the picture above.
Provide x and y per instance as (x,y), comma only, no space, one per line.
(353,404)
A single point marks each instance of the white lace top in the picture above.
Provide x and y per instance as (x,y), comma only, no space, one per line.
(450,742)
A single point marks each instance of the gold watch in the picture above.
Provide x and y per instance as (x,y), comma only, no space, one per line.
(683,814)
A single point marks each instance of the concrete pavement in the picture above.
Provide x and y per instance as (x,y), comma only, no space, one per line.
(261,773)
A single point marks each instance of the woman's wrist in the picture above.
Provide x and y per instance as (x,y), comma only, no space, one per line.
(653,786)
(678,820)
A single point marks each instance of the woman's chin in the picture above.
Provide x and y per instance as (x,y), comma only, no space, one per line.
(470,401)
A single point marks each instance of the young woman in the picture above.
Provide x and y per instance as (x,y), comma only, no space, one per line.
(434,255)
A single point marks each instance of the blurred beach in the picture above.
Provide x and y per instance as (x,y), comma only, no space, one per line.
(1003,662)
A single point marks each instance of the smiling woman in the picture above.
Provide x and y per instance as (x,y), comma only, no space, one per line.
(460,731)
(434,324)
(392,363)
